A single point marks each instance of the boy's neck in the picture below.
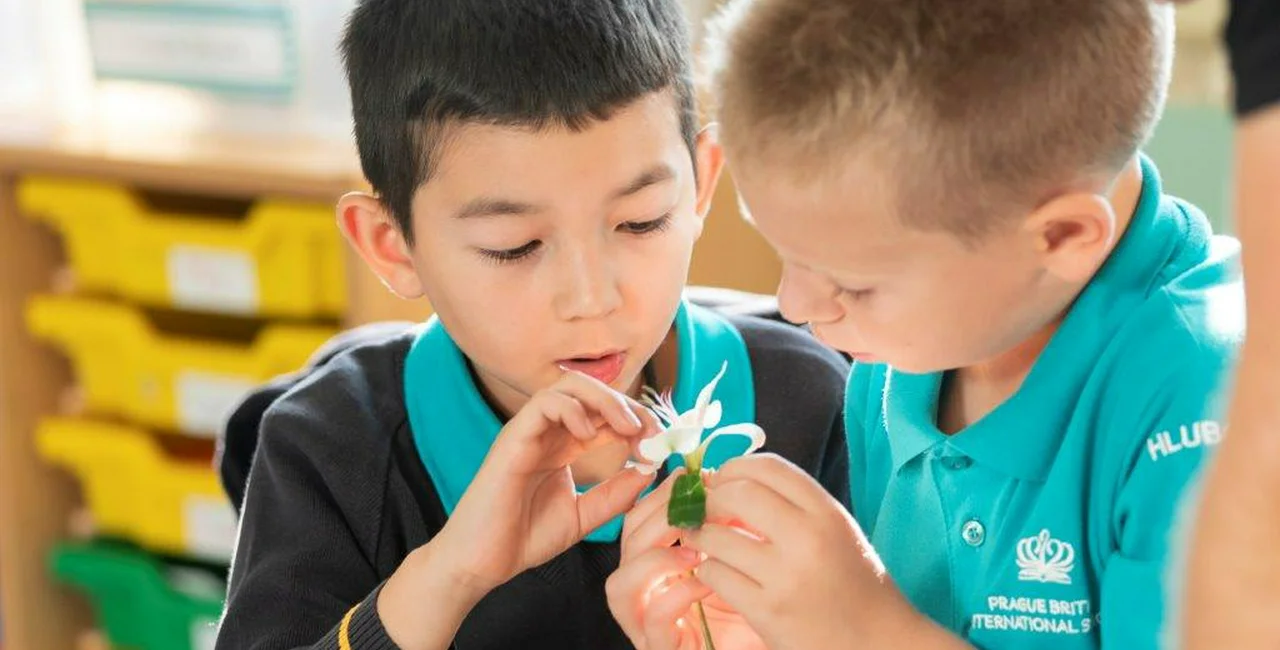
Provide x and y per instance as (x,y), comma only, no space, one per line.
(968,394)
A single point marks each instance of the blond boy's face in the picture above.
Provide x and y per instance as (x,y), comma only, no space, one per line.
(543,248)
(922,301)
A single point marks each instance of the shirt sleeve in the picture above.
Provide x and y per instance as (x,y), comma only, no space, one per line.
(834,470)
(1253,42)
(854,418)
(1180,428)
(300,578)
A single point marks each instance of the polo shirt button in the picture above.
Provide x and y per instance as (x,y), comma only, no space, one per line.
(973,533)
(957,462)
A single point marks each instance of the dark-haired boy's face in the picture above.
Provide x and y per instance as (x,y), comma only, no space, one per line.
(548,248)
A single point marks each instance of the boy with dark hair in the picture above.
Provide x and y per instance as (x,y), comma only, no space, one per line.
(541,179)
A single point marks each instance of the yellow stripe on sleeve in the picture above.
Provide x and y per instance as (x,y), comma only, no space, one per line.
(344,630)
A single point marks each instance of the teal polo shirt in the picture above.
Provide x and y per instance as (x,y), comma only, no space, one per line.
(1046,523)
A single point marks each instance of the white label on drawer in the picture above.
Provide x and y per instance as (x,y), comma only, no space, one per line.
(213,279)
(215,45)
(210,527)
(205,400)
(204,634)
(197,583)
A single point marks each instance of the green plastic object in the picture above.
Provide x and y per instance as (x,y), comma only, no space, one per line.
(140,602)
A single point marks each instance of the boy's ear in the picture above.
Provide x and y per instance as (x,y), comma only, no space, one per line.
(373,233)
(1073,234)
(709,159)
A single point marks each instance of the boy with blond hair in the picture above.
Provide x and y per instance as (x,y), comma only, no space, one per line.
(958,196)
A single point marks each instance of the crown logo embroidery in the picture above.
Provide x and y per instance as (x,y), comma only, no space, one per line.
(1045,559)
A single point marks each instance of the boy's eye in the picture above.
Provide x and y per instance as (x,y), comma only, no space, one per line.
(511,255)
(856,294)
(646,227)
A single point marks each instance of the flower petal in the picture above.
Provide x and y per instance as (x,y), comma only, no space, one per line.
(687,419)
(712,415)
(685,440)
(660,405)
(655,449)
(704,398)
(751,431)
(668,400)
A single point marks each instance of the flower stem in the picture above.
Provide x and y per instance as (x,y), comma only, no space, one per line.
(693,464)
(707,643)
(693,460)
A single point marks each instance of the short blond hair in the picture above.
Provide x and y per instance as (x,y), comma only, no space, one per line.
(979,104)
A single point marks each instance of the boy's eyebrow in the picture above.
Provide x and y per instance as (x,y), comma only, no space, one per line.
(489,207)
(659,173)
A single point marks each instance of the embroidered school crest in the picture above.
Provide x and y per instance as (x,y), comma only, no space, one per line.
(1044,559)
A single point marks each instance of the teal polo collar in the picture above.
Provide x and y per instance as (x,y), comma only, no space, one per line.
(1020,438)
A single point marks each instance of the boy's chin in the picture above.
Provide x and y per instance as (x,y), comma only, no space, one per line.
(906,365)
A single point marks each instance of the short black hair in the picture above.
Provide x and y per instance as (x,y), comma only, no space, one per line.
(417,66)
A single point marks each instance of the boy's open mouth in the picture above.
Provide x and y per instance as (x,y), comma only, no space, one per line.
(605,367)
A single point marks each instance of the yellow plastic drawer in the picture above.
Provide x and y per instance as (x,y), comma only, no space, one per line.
(283,258)
(136,492)
(127,368)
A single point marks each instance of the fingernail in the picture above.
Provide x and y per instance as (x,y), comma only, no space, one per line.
(686,555)
(634,419)
(643,468)
(651,420)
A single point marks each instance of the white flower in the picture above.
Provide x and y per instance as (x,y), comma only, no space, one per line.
(683,431)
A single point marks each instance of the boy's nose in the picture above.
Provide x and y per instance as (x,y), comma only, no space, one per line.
(587,287)
(805,297)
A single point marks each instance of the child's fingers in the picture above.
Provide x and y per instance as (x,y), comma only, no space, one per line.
(551,407)
(780,475)
(610,499)
(732,547)
(650,421)
(670,613)
(534,440)
(636,579)
(646,524)
(732,586)
(654,534)
(600,398)
(760,509)
(630,587)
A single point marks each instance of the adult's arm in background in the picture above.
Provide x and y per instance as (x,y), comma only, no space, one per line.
(1232,590)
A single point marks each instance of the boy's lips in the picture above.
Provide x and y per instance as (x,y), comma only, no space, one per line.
(606,367)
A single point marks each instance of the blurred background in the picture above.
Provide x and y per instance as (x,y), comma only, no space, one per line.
(167,175)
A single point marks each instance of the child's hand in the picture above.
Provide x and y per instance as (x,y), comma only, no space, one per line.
(653,594)
(522,509)
(808,578)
